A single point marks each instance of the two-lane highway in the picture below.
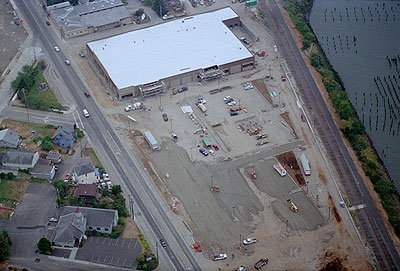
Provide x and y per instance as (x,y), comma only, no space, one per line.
(178,255)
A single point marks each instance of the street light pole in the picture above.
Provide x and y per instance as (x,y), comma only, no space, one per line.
(212,181)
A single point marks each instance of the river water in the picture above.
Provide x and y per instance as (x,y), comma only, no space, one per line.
(362,42)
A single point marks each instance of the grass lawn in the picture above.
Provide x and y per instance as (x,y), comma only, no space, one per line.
(45,100)
(11,191)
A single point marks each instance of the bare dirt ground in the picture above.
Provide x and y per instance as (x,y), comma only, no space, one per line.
(11,35)
(318,80)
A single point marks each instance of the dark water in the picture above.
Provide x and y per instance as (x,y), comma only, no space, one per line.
(362,42)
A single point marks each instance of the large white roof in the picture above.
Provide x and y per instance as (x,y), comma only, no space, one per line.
(169,49)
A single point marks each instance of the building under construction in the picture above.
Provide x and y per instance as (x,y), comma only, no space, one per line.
(146,62)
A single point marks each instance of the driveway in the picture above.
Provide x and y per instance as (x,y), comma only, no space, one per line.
(119,252)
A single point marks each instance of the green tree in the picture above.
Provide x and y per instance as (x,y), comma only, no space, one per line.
(47,146)
(316,60)
(358,127)
(5,246)
(62,188)
(139,12)
(332,85)
(306,44)
(116,190)
(344,110)
(159,5)
(44,246)
(73,200)
(309,36)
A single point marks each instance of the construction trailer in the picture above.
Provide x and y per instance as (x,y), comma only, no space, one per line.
(280,169)
(151,140)
(306,164)
(206,142)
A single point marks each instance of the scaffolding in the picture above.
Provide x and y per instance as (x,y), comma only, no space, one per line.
(152,89)
(211,74)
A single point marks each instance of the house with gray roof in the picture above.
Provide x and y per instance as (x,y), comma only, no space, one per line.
(65,136)
(85,174)
(74,221)
(43,170)
(19,159)
(9,138)
(70,228)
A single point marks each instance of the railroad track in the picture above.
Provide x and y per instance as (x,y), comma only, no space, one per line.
(369,220)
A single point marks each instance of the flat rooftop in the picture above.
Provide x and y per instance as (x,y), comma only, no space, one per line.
(168,49)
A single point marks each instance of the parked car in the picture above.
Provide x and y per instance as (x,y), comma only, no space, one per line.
(53,219)
(57,48)
(234,113)
(241,268)
(212,152)
(47,22)
(165,116)
(215,147)
(66,177)
(231,103)
(203,151)
(182,89)
(87,94)
(174,137)
(67,62)
(249,241)
(128,108)
(85,113)
(219,257)
(303,118)
(163,243)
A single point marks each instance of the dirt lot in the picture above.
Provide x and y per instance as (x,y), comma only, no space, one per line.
(11,35)
(320,235)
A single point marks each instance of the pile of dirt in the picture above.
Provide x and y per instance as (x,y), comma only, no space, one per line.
(335,264)
(289,162)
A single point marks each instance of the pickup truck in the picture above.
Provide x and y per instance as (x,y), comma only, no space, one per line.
(261,263)
(219,257)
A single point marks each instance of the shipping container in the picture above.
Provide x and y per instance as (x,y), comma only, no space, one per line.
(251,3)
(206,142)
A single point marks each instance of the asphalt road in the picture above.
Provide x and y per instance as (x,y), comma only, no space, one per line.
(369,218)
(178,255)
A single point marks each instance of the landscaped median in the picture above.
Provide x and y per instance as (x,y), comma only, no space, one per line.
(33,90)
(352,128)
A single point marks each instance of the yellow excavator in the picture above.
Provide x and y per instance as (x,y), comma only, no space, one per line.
(293,207)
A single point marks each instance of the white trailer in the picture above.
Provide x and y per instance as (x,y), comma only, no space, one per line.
(306,164)
(151,140)
(280,169)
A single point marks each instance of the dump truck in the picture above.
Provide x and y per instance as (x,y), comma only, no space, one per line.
(261,263)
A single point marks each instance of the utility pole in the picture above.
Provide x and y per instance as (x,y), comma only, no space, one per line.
(240,241)
(212,181)
(233,212)
(131,207)
(171,126)
(191,153)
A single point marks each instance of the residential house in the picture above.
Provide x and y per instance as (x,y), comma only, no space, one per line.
(86,192)
(19,159)
(85,174)
(43,170)
(65,136)
(74,221)
(70,228)
(9,138)
(54,157)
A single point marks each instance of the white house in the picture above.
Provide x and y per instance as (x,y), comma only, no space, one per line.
(85,174)
(19,159)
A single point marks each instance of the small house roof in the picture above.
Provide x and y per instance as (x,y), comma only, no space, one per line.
(84,169)
(86,190)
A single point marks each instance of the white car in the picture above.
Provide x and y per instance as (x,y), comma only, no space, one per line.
(249,241)
(85,113)
(56,48)
(275,48)
(231,103)
(128,108)
(211,152)
(53,219)
(226,98)
(219,257)
(67,62)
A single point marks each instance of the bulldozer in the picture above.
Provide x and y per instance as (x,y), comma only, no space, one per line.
(293,207)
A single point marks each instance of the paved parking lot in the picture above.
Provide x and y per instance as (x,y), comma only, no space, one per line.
(60,252)
(117,252)
(31,217)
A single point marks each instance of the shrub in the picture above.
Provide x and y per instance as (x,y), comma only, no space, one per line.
(121,221)
(358,127)
(47,146)
(79,133)
(316,60)
(116,190)
(331,85)
(306,44)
